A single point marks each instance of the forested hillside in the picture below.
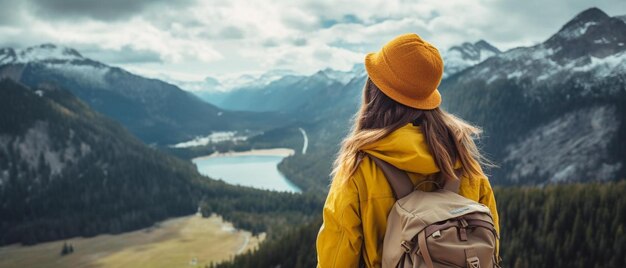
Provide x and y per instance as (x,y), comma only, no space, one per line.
(68,171)
(578,225)
(575,225)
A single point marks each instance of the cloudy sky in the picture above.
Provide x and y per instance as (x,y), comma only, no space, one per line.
(192,39)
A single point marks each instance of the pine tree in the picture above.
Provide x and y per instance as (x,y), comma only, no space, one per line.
(65,250)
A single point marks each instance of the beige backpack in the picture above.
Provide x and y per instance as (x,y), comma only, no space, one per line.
(436,229)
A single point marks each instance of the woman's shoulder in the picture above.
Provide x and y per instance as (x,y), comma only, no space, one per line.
(472,186)
(370,180)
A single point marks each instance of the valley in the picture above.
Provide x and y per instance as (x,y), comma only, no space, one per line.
(178,242)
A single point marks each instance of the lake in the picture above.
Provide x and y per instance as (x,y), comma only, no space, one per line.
(257,170)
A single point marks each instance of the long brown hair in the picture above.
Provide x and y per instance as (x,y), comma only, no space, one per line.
(449,138)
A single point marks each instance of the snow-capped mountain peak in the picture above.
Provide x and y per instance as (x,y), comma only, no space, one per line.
(343,77)
(579,25)
(62,61)
(40,53)
(585,60)
(590,33)
(460,57)
(478,51)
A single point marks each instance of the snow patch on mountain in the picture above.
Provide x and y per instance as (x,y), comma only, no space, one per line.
(573,147)
(41,53)
(580,25)
(576,32)
(221,85)
(91,75)
(458,58)
(603,67)
(64,61)
(344,77)
(536,66)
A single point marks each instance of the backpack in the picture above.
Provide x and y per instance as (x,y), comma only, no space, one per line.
(436,229)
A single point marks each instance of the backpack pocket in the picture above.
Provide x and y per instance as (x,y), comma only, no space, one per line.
(465,241)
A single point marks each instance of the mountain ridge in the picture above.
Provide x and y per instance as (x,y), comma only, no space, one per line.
(155,111)
(560,87)
(460,57)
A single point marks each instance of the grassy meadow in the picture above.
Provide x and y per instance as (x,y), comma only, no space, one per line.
(190,241)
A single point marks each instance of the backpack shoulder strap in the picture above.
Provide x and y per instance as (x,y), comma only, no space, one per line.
(399,181)
(401,184)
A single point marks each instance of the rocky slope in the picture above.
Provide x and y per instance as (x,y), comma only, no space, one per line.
(552,112)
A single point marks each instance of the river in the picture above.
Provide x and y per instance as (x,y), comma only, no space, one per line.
(256,168)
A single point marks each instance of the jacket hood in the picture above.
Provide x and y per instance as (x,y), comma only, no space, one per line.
(406,149)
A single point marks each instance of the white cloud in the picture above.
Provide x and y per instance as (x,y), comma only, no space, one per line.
(201,38)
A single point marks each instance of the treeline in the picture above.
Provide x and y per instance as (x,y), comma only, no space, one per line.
(576,225)
(309,172)
(259,210)
(295,248)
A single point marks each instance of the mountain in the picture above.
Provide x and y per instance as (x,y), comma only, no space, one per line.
(215,90)
(210,89)
(552,112)
(291,92)
(69,171)
(155,111)
(288,93)
(460,57)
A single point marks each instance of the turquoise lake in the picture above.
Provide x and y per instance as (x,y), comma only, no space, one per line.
(259,171)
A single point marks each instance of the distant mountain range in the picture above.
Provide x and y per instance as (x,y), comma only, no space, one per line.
(214,91)
(288,93)
(552,113)
(155,111)
(279,90)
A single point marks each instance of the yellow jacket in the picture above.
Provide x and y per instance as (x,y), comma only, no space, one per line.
(355,213)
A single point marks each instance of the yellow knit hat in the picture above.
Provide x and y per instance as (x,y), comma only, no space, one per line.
(408,70)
